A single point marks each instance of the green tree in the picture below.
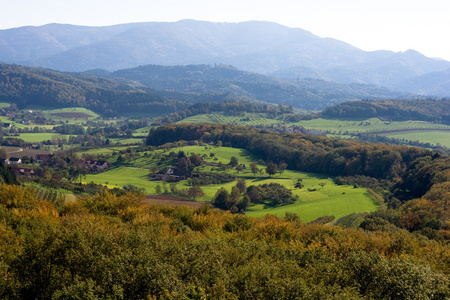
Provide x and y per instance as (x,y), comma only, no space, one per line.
(282,166)
(195,191)
(234,161)
(221,199)
(241,185)
(254,168)
(271,169)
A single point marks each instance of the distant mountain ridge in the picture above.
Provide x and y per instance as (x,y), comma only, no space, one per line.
(256,46)
(165,89)
(307,94)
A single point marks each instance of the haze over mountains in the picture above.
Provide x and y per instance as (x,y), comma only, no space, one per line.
(255,46)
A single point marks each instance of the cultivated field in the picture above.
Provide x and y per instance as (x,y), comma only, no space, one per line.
(248,119)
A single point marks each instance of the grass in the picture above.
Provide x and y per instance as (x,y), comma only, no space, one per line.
(39,137)
(364,125)
(329,200)
(333,200)
(432,137)
(72,110)
(121,176)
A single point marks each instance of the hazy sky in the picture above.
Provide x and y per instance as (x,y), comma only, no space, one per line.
(398,25)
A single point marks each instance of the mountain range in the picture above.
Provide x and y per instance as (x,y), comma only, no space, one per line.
(256,46)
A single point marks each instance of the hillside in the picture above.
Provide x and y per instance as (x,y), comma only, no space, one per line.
(437,111)
(255,46)
(308,94)
(160,89)
(36,86)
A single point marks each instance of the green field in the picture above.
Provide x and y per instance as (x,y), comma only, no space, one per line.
(70,120)
(333,200)
(364,125)
(329,200)
(220,118)
(39,137)
(432,137)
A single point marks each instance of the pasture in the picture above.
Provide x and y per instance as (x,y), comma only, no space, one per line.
(425,136)
(364,125)
(324,197)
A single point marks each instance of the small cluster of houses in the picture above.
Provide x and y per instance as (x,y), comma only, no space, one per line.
(172,174)
(96,165)
(93,165)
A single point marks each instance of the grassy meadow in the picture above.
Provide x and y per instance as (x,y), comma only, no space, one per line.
(432,137)
(330,199)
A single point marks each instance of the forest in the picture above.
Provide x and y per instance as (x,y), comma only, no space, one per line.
(26,86)
(117,247)
(400,110)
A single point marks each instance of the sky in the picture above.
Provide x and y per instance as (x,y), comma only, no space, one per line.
(396,25)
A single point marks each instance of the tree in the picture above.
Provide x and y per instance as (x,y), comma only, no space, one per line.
(196,159)
(234,161)
(195,192)
(282,166)
(322,184)
(158,189)
(173,187)
(184,163)
(241,185)
(221,198)
(239,168)
(235,195)
(271,169)
(254,168)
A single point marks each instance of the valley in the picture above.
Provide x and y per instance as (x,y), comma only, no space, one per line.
(202,160)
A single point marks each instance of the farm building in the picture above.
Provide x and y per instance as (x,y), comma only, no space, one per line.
(24,172)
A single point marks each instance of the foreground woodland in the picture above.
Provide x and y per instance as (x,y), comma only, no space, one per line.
(117,247)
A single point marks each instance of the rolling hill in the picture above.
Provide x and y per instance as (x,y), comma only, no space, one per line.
(162,89)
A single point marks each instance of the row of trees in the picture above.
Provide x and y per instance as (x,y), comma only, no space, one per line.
(302,152)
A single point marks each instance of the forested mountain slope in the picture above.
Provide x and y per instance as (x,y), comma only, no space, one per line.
(308,94)
(256,46)
(36,86)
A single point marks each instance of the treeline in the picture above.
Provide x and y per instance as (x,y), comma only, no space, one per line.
(301,152)
(232,108)
(437,111)
(116,247)
(34,86)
